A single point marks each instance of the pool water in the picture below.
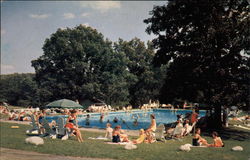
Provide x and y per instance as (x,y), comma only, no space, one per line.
(126,120)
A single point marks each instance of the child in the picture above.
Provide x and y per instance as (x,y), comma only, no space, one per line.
(217,141)
(141,138)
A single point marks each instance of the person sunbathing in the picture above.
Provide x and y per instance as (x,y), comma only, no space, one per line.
(198,140)
(142,137)
(39,120)
(72,125)
(150,131)
(109,131)
(217,141)
(11,115)
(123,136)
(116,134)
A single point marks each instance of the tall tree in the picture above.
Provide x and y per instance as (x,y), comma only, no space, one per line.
(145,80)
(206,45)
(75,65)
(19,89)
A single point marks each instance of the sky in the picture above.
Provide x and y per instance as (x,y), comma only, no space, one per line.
(26,24)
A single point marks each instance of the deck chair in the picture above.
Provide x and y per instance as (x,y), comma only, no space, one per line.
(178,131)
(159,133)
(190,128)
(48,130)
(61,131)
(35,127)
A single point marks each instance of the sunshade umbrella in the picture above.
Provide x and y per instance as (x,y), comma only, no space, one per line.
(63,103)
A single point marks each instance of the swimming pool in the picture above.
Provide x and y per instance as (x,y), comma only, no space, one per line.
(126,120)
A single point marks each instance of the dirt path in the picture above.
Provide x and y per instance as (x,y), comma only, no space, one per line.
(14,154)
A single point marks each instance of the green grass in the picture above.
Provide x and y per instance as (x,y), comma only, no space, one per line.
(14,138)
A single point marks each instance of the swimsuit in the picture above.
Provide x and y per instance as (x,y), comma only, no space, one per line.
(218,142)
(116,139)
(195,142)
(71,123)
(40,119)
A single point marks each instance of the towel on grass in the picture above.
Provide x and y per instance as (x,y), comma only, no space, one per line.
(120,143)
(99,138)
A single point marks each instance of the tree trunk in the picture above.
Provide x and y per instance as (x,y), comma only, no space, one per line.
(217,123)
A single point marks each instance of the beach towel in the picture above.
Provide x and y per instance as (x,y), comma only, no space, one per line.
(98,138)
(120,143)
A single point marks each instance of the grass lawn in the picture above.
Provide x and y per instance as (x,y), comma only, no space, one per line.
(14,138)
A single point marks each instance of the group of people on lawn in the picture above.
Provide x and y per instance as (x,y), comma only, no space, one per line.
(118,135)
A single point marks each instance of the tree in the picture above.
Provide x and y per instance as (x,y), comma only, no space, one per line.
(19,89)
(206,45)
(145,80)
(78,63)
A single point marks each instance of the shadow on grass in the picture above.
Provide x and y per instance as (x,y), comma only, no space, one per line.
(230,133)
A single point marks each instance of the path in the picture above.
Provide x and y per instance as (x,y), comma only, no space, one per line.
(14,154)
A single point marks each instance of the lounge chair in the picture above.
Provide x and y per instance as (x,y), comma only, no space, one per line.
(35,127)
(159,133)
(177,131)
(61,131)
(190,128)
(48,130)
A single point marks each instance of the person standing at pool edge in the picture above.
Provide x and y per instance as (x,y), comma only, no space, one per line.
(194,119)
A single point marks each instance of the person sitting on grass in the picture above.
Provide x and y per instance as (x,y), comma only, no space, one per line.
(124,137)
(11,115)
(39,119)
(150,131)
(217,141)
(109,131)
(23,117)
(118,135)
(142,137)
(72,125)
(198,140)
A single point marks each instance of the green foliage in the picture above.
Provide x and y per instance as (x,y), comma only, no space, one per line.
(206,45)
(77,64)
(19,89)
(145,80)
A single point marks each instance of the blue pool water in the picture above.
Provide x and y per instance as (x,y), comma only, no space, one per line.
(126,119)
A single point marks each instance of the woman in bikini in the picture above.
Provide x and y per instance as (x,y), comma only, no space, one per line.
(142,137)
(72,125)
